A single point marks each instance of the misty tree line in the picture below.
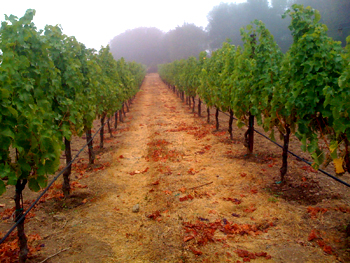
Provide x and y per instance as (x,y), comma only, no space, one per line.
(151,46)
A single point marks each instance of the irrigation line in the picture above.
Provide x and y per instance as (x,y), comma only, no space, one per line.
(298,157)
(49,185)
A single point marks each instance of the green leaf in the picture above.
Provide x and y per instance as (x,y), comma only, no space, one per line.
(7,132)
(42,181)
(2,187)
(33,185)
(317,16)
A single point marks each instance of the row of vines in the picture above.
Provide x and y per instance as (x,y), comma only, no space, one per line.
(305,92)
(51,88)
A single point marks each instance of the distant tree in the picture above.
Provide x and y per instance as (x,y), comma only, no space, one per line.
(185,41)
(143,45)
(335,14)
(225,19)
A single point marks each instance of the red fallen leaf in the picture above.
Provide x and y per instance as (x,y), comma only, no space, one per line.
(121,156)
(313,211)
(328,249)
(313,235)
(243,174)
(191,171)
(251,209)
(145,171)
(242,253)
(182,189)
(261,254)
(156,182)
(152,190)
(196,252)
(188,238)
(254,190)
(233,200)
(185,198)
(154,215)
(268,257)
(304,179)
(77,185)
(308,169)
(207,147)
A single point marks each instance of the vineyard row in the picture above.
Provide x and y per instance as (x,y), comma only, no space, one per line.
(305,92)
(51,88)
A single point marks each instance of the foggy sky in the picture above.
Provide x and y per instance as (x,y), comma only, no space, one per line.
(95,23)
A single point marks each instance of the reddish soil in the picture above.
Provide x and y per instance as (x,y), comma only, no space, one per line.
(200,197)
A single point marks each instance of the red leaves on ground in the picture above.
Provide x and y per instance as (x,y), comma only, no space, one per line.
(9,250)
(243,174)
(121,156)
(185,198)
(158,152)
(155,215)
(342,209)
(76,184)
(247,256)
(198,132)
(313,211)
(251,209)
(313,235)
(8,212)
(219,133)
(233,200)
(102,167)
(308,169)
(80,167)
(192,171)
(158,143)
(320,241)
(203,232)
(182,189)
(188,238)
(195,251)
(155,183)
(254,190)
(325,247)
(207,147)
(139,172)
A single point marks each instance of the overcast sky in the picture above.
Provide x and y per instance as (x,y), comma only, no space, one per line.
(95,23)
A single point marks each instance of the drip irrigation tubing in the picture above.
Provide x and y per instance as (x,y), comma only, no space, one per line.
(298,157)
(50,184)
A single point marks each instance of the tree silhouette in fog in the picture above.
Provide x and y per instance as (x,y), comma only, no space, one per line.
(185,41)
(226,19)
(151,46)
(143,45)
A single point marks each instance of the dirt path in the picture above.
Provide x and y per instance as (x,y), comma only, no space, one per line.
(200,198)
